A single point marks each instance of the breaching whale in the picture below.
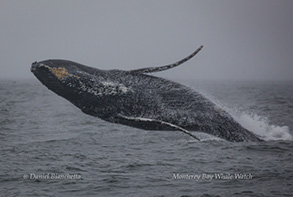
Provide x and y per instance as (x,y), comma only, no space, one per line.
(140,100)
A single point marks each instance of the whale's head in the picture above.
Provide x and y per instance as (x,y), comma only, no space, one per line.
(80,84)
(63,77)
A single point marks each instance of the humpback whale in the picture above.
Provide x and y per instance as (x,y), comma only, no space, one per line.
(138,99)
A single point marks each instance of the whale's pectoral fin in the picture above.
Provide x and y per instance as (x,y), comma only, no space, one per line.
(166,67)
(155,123)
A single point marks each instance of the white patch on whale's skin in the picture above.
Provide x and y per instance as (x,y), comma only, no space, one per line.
(162,123)
(107,88)
(115,87)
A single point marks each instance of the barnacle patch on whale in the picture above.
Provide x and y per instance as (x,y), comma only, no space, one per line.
(61,73)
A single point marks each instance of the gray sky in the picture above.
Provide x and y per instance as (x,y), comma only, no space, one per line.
(243,39)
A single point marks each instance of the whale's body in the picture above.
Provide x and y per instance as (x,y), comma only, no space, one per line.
(139,100)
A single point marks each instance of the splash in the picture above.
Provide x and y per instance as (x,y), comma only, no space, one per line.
(255,123)
(261,126)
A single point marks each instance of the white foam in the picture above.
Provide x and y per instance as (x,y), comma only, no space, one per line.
(207,137)
(257,124)
(261,126)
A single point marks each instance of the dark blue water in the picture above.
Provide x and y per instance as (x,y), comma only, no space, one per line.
(50,148)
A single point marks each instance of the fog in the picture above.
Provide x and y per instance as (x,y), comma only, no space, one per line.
(243,40)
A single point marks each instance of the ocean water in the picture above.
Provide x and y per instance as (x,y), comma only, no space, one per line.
(48,147)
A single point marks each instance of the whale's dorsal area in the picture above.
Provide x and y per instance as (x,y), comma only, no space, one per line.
(166,67)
